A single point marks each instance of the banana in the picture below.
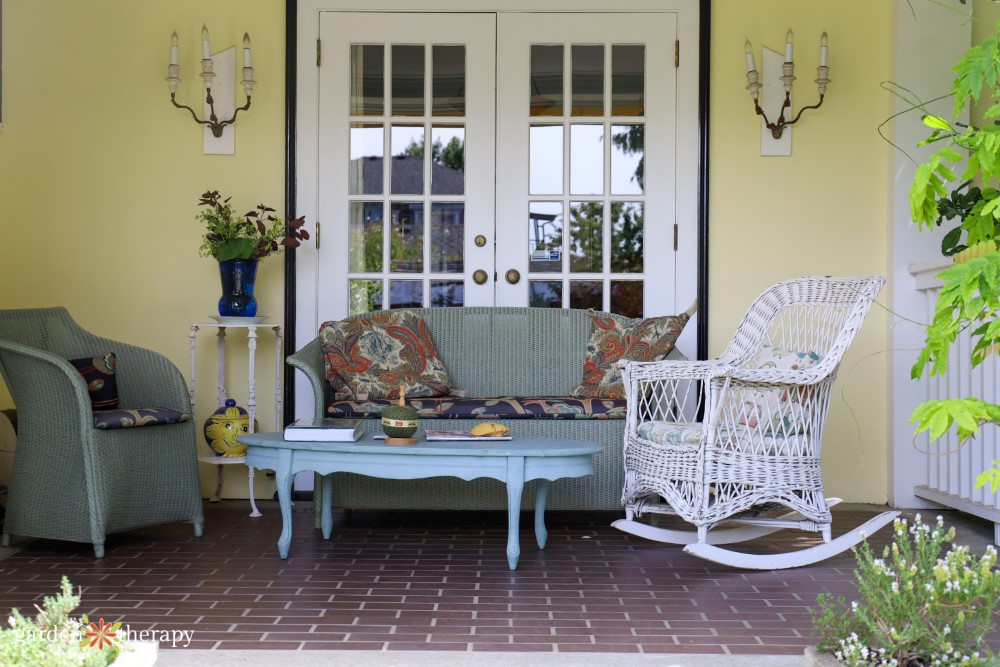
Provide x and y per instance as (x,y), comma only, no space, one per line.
(489,428)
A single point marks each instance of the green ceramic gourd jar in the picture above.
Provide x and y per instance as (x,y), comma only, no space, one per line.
(399,422)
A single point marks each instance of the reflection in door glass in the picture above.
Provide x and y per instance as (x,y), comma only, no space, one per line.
(447,237)
(628,80)
(545,159)
(545,235)
(407,80)
(406,293)
(448,72)
(586,237)
(365,296)
(365,173)
(546,80)
(627,159)
(407,159)
(626,297)
(586,159)
(365,237)
(447,293)
(545,293)
(406,251)
(626,237)
(367,79)
(447,160)
(585,294)
(588,79)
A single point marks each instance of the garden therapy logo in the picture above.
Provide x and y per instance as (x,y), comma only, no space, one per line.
(101,635)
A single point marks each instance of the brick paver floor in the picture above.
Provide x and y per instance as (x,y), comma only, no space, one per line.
(438,581)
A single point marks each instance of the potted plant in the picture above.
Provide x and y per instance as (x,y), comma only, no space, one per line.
(239,243)
(915,608)
(55,639)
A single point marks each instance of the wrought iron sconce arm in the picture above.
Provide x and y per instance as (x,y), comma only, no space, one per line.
(778,126)
(213,121)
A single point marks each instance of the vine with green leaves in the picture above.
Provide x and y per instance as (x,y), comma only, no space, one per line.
(970,296)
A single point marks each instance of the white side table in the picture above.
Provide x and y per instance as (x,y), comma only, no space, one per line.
(251,330)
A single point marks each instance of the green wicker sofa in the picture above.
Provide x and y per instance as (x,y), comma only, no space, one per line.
(496,352)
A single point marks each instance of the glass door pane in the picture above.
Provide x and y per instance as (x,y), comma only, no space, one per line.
(576,192)
(401,192)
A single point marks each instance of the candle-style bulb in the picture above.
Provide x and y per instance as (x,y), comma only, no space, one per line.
(751,65)
(174,58)
(789,36)
(204,32)
(246,40)
(746,47)
(173,39)
(823,40)
(247,60)
(788,46)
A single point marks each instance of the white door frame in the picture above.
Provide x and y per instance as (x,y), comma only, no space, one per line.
(307,123)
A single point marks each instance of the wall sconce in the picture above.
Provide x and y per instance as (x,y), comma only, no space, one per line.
(788,76)
(207,73)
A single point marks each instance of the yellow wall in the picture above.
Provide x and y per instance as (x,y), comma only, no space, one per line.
(821,211)
(100,175)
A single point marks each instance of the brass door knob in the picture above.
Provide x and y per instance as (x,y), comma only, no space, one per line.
(513,276)
(480,277)
(480,241)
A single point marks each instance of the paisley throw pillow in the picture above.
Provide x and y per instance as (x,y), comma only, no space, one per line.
(372,357)
(99,373)
(611,340)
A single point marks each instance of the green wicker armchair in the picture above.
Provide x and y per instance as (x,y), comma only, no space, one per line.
(70,480)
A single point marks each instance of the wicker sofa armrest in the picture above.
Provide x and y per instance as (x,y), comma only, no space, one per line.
(309,360)
(145,379)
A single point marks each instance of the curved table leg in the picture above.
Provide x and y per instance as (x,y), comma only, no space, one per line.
(515,485)
(254,512)
(284,477)
(326,511)
(541,496)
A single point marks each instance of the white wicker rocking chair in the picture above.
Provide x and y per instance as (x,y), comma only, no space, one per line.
(764,402)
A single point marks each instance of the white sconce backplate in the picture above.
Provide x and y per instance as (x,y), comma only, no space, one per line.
(224,94)
(772,96)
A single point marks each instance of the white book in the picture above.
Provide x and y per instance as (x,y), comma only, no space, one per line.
(327,429)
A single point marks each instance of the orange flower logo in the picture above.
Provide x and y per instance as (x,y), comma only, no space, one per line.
(101,635)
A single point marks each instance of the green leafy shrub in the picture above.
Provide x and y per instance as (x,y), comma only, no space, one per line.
(52,638)
(254,235)
(915,607)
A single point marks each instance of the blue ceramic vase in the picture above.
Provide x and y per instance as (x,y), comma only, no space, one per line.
(238,276)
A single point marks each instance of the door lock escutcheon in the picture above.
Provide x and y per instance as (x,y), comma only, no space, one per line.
(513,276)
(480,277)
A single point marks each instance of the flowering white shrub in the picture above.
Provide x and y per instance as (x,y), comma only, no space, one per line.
(915,608)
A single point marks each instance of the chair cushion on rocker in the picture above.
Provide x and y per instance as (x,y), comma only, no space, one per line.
(740,438)
(779,410)
(453,407)
(134,417)
(99,374)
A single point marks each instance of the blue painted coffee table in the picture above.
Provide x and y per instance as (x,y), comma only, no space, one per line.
(511,461)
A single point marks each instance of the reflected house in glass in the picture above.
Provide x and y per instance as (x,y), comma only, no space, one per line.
(408,223)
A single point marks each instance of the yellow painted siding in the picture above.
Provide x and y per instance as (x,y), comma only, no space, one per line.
(821,211)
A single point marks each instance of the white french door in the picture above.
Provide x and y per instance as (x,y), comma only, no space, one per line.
(495,159)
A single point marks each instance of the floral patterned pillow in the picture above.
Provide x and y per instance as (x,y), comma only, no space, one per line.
(612,340)
(371,357)
(781,411)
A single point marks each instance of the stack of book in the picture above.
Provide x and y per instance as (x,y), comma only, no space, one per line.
(326,429)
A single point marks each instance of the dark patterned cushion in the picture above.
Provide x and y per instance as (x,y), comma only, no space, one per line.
(453,407)
(130,418)
(99,373)
(374,356)
(611,340)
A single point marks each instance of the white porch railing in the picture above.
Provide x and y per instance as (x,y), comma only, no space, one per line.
(952,469)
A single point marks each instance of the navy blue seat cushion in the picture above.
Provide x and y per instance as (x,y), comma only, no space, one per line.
(507,407)
(132,417)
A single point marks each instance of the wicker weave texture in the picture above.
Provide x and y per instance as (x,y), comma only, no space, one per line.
(495,352)
(71,481)
(761,437)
